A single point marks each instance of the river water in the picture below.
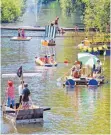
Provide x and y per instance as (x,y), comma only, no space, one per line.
(77,111)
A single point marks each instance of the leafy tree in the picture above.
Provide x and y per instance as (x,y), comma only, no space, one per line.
(97,14)
(11,10)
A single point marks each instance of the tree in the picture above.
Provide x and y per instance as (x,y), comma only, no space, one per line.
(97,14)
(11,10)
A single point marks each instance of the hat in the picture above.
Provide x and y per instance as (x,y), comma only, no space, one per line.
(10,83)
(77,62)
(98,60)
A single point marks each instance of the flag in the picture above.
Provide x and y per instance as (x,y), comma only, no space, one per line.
(19,72)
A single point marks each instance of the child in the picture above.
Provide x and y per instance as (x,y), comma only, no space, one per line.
(10,91)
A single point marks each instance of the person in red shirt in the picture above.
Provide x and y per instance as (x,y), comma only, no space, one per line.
(76,69)
(10,92)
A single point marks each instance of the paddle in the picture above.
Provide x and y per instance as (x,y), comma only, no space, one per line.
(59,79)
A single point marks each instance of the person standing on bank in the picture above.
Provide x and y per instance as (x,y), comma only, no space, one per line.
(20,90)
(25,97)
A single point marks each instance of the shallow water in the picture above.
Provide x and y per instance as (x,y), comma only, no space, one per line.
(75,111)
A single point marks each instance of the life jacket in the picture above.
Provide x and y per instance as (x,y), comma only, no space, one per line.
(46,60)
(51,59)
(77,74)
(42,59)
(45,43)
(86,42)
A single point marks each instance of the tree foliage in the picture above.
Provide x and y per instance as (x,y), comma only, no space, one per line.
(11,10)
(97,14)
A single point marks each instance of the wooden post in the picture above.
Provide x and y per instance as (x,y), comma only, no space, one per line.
(22,80)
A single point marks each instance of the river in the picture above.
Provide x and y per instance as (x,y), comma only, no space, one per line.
(78,111)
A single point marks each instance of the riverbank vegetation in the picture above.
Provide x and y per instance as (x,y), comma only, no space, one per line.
(11,10)
(96,14)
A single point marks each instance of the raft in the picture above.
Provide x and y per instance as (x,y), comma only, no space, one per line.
(38,61)
(96,49)
(27,116)
(48,42)
(71,82)
(20,38)
(51,44)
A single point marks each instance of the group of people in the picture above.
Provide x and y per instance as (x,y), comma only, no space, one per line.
(21,33)
(56,24)
(48,59)
(76,71)
(24,95)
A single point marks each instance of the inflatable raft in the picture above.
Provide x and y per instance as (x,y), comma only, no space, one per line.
(18,116)
(71,82)
(20,38)
(40,62)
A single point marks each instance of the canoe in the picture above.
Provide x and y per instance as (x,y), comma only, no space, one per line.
(71,82)
(38,61)
(31,115)
(20,38)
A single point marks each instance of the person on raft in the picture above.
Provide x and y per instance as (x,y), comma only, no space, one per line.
(19,32)
(97,69)
(22,33)
(86,42)
(56,23)
(20,89)
(76,69)
(46,59)
(49,59)
(10,93)
(25,97)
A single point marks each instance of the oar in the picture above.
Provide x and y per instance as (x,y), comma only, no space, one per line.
(59,79)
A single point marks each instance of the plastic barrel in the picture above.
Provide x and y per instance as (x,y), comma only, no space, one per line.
(107,52)
(93,82)
(70,83)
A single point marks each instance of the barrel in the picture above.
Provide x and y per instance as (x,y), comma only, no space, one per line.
(93,82)
(70,83)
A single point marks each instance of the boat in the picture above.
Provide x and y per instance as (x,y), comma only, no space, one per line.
(51,43)
(101,49)
(71,81)
(39,61)
(20,38)
(24,116)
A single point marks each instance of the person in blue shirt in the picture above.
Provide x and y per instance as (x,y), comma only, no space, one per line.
(25,97)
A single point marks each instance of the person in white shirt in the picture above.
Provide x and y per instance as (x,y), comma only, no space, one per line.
(20,90)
